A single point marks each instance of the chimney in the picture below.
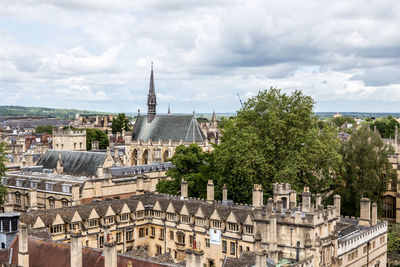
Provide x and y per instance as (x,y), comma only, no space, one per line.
(33,199)
(194,258)
(306,199)
(374,214)
(184,189)
(261,259)
(257,196)
(9,206)
(110,252)
(336,203)
(76,199)
(23,254)
(76,248)
(318,200)
(365,217)
(210,191)
(293,199)
(224,193)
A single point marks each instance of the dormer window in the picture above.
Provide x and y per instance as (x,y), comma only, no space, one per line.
(185,219)
(49,186)
(200,221)
(171,216)
(91,223)
(139,214)
(34,184)
(158,214)
(66,188)
(109,220)
(18,182)
(234,227)
(124,217)
(248,229)
(216,224)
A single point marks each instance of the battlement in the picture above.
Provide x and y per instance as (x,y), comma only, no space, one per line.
(69,133)
(282,188)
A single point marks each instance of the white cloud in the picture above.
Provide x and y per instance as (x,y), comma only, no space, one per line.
(96,54)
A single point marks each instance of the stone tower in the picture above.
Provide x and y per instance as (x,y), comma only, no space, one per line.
(151,99)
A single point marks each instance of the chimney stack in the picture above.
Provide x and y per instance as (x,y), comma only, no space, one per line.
(306,199)
(76,248)
(76,200)
(336,203)
(293,199)
(33,199)
(224,193)
(365,217)
(110,251)
(273,246)
(210,191)
(374,214)
(194,258)
(9,206)
(257,196)
(184,189)
(23,254)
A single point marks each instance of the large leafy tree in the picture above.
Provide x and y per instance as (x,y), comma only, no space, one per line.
(120,123)
(275,138)
(367,169)
(96,135)
(386,126)
(3,159)
(48,128)
(194,166)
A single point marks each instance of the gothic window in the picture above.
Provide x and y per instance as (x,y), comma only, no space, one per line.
(389,207)
(52,204)
(165,156)
(145,157)
(134,157)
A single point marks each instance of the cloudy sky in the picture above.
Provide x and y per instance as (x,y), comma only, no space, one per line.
(96,54)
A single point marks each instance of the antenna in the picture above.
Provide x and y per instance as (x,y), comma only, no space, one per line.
(240,100)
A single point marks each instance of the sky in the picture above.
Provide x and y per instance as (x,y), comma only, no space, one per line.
(97,54)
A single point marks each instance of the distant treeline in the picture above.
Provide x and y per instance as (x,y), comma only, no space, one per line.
(361,115)
(20,111)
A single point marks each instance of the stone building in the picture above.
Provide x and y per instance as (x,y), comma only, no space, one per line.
(71,140)
(280,232)
(155,136)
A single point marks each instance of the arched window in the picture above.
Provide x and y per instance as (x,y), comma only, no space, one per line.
(134,157)
(165,156)
(389,207)
(145,157)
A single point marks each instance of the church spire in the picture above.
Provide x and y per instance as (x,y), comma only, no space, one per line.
(151,98)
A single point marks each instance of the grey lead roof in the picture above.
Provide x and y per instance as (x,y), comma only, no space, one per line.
(74,162)
(166,127)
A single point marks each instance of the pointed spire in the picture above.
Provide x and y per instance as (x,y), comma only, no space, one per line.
(151,98)
(214,117)
(169,109)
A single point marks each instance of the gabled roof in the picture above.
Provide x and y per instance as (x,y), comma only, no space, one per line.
(168,127)
(74,162)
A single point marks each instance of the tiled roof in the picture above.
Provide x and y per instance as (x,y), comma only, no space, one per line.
(168,127)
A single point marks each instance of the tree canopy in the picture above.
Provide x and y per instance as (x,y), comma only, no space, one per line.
(367,169)
(41,129)
(340,120)
(96,135)
(120,123)
(3,159)
(385,126)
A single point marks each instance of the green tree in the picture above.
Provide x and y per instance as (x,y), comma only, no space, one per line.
(96,135)
(340,120)
(275,138)
(3,159)
(393,245)
(120,123)
(386,126)
(367,170)
(41,129)
(194,166)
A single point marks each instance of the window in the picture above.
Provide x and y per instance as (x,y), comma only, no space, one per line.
(223,246)
(207,242)
(49,187)
(74,145)
(92,223)
(382,240)
(139,214)
(34,184)
(118,237)
(52,204)
(56,229)
(170,216)
(62,146)
(75,226)
(171,235)
(191,239)
(64,203)
(18,199)
(129,236)
(153,231)
(181,237)
(158,214)
(124,217)
(248,229)
(216,224)
(232,248)
(110,220)
(158,249)
(66,188)
(80,144)
(161,233)
(101,241)
(141,232)
(233,227)
(200,221)
(18,182)
(373,245)
(185,219)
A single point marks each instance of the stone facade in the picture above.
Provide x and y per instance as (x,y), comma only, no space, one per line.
(302,235)
(70,140)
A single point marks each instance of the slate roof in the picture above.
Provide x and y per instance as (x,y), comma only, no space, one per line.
(139,169)
(166,127)
(247,259)
(74,162)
